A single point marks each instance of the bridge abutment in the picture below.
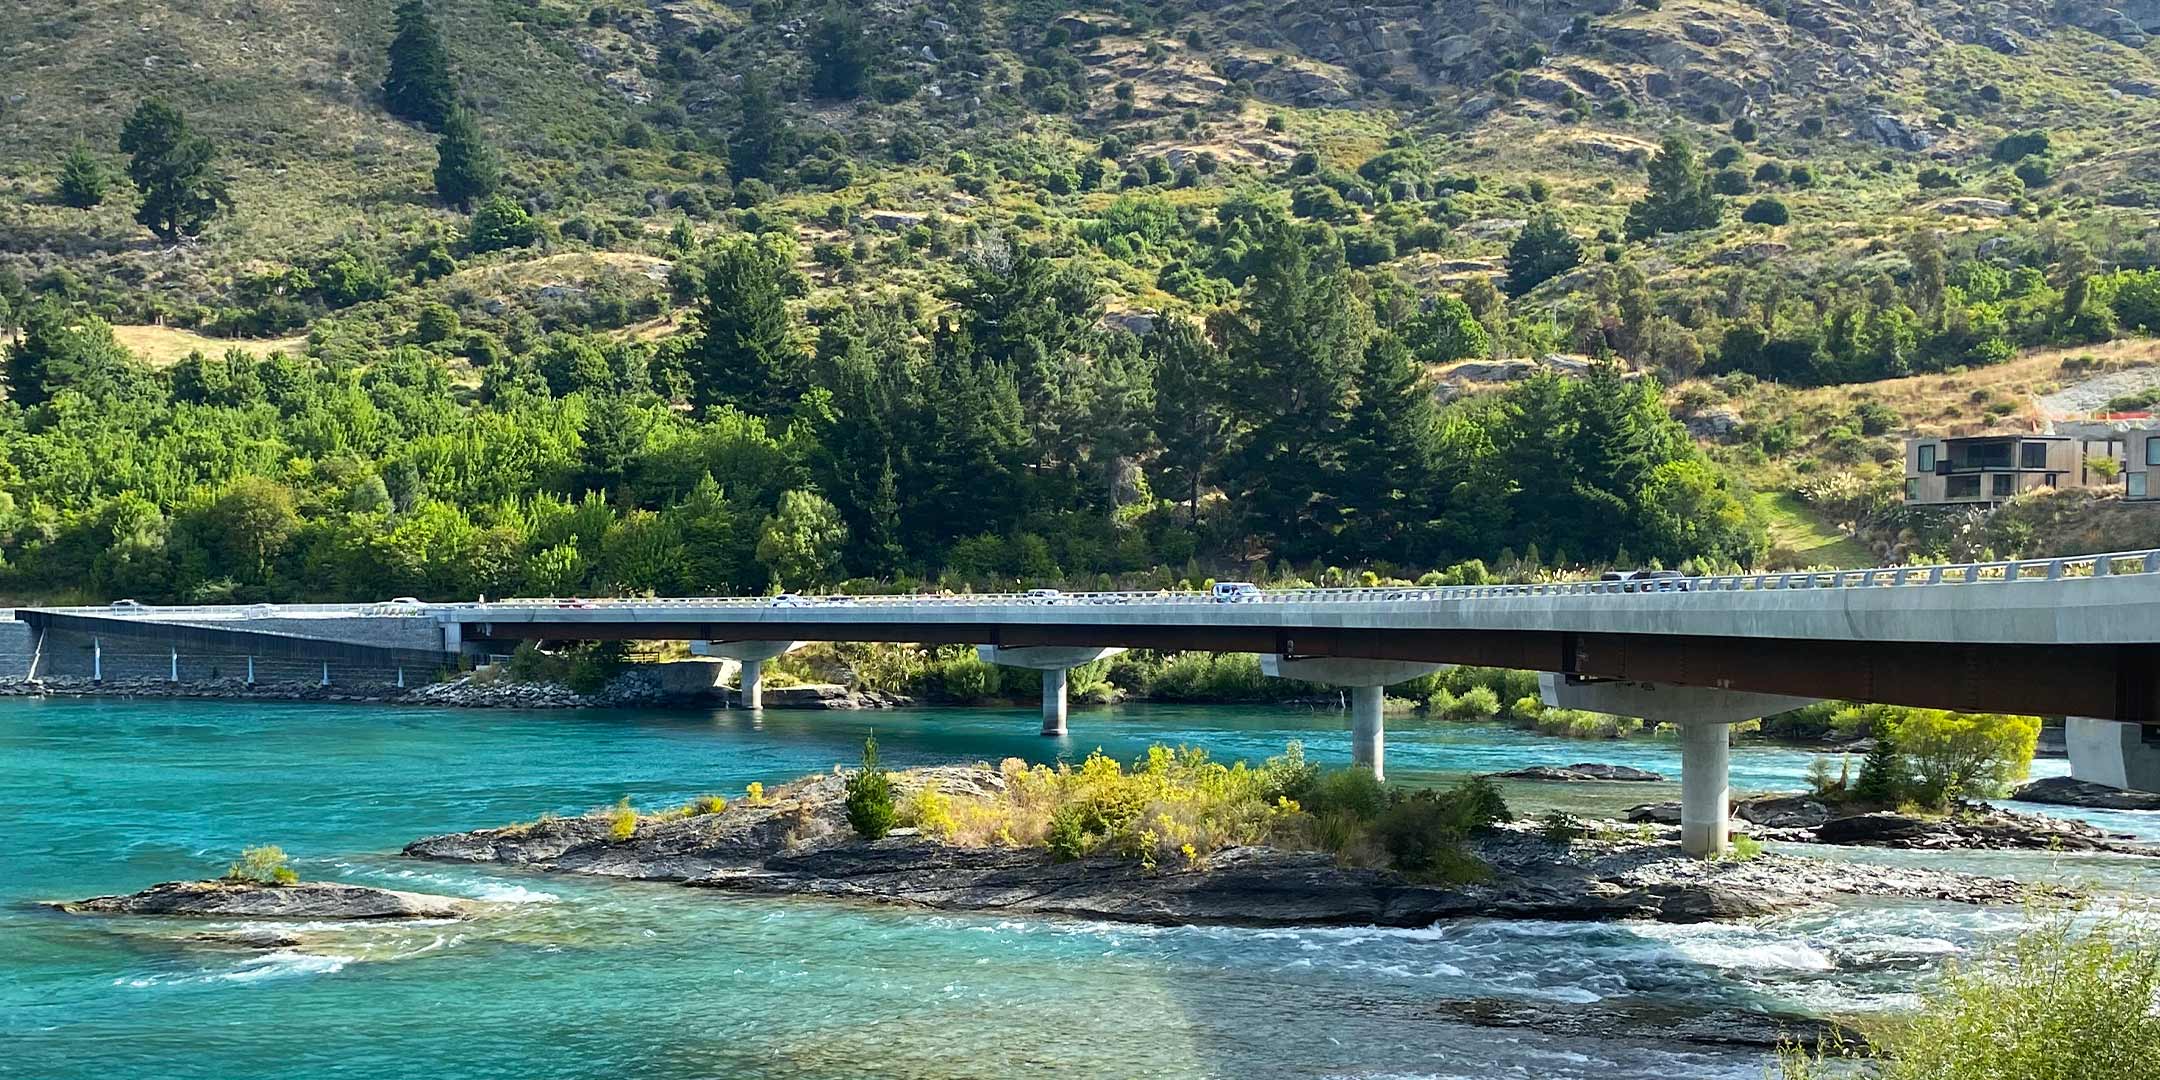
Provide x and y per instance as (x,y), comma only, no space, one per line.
(1705,717)
(1054,661)
(1367,681)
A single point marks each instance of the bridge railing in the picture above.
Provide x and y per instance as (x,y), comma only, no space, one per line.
(2109,564)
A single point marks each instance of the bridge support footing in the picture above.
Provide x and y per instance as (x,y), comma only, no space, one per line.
(2113,753)
(1054,661)
(1705,717)
(752,655)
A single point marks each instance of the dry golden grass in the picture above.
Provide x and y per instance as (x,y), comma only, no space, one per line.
(164,346)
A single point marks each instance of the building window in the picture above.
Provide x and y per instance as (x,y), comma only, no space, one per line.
(1961,487)
(2032,455)
(2152,450)
(1927,457)
(2005,484)
(1912,489)
(2136,489)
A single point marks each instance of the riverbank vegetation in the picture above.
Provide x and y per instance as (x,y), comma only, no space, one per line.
(264,865)
(1926,758)
(2067,998)
(1176,807)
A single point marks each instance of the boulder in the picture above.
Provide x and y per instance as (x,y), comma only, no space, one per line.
(1975,206)
(1877,828)
(895,220)
(1710,903)
(1719,423)
(307,900)
(1895,133)
(1586,771)
(2067,791)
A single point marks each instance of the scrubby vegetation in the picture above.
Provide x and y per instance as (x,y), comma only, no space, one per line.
(2067,998)
(1175,807)
(265,865)
(1928,758)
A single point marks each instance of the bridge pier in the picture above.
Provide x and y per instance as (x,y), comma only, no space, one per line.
(1705,717)
(2113,753)
(1368,681)
(752,655)
(1053,661)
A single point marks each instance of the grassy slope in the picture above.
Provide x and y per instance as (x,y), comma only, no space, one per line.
(1799,538)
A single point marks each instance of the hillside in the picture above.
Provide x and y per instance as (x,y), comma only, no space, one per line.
(1784,201)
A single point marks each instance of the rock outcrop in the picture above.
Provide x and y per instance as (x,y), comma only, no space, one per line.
(1585,771)
(307,900)
(2065,791)
(795,842)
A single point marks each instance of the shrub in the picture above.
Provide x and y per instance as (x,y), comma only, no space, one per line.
(1422,832)
(870,809)
(501,223)
(1068,837)
(621,820)
(265,865)
(2058,1001)
(929,810)
(1561,827)
(1934,757)
(1766,211)
(1353,791)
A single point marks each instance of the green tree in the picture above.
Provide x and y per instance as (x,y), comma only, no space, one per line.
(58,351)
(1768,210)
(870,807)
(501,223)
(742,351)
(1956,755)
(1391,442)
(1296,341)
(250,523)
(466,168)
(1192,417)
(82,178)
(762,144)
(1679,199)
(171,167)
(1447,331)
(800,543)
(1543,250)
(840,55)
(418,87)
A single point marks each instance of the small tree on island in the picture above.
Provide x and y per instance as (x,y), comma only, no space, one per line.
(870,808)
(265,865)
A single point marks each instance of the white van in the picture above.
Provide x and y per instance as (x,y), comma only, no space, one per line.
(1233,592)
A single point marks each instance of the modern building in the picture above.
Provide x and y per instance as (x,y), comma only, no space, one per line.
(1987,469)
(2141,464)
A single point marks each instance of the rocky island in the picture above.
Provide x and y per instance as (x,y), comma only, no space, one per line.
(797,841)
(224,898)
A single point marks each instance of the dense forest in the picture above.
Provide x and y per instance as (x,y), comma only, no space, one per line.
(1095,296)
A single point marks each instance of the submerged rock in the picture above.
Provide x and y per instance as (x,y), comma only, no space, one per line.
(2067,791)
(1634,1018)
(1585,771)
(247,900)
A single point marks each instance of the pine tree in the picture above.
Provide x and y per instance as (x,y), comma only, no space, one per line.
(1191,417)
(1296,341)
(1680,198)
(762,144)
(466,169)
(743,352)
(82,178)
(170,166)
(1544,249)
(418,87)
(1388,454)
(839,55)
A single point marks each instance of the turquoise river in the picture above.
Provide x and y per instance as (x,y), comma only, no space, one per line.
(585,978)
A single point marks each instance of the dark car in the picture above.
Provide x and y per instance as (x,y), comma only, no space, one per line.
(1648,580)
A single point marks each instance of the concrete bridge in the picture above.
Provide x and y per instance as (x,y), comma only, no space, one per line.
(2076,637)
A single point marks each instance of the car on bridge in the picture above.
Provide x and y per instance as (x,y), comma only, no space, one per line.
(1234,592)
(1648,580)
(1044,596)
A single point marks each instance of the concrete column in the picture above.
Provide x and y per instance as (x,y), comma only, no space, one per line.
(1368,681)
(1054,661)
(1705,802)
(251,671)
(2116,754)
(326,673)
(1368,741)
(1054,702)
(1705,716)
(175,674)
(97,660)
(401,677)
(37,652)
(753,684)
(752,655)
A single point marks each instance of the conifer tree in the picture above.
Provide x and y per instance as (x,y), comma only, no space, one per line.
(743,353)
(171,167)
(82,178)
(1680,198)
(418,87)
(466,168)
(1544,249)
(839,55)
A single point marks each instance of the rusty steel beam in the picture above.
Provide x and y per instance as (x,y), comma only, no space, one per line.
(2105,681)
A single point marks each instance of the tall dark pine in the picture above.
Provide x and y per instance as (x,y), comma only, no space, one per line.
(743,353)
(762,144)
(1388,453)
(1680,198)
(82,178)
(171,167)
(466,168)
(839,55)
(1296,342)
(418,87)
(1192,415)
